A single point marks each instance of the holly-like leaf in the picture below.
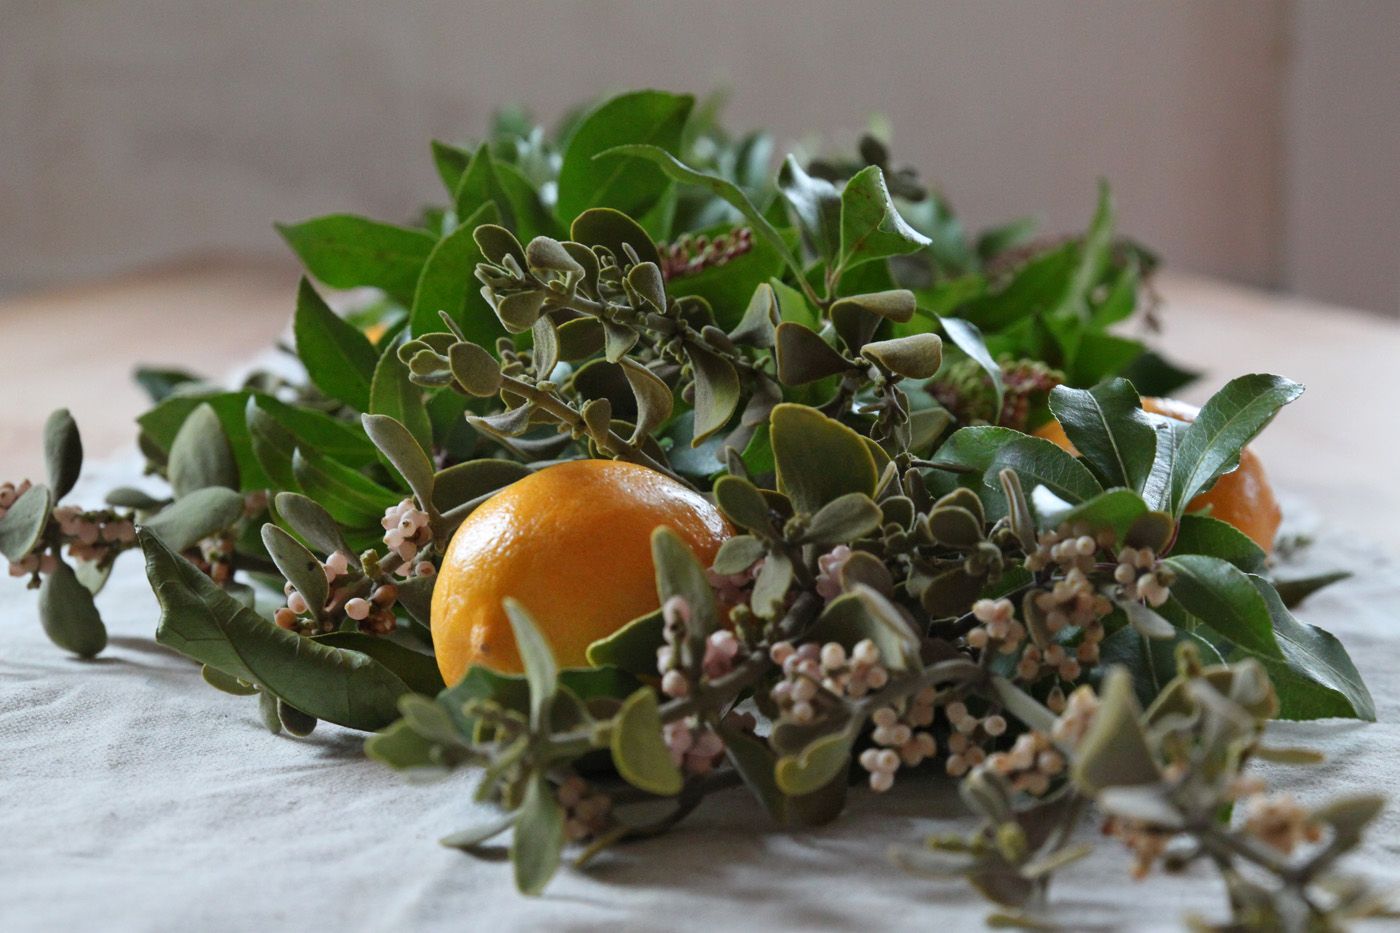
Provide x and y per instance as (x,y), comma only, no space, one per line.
(345,251)
(871,227)
(339,359)
(968,338)
(653,118)
(1211,444)
(1108,427)
(1038,462)
(816,205)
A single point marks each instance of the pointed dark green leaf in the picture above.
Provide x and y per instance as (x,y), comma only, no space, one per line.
(345,251)
(448,283)
(339,359)
(871,227)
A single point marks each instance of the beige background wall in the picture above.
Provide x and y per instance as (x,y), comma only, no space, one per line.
(132,131)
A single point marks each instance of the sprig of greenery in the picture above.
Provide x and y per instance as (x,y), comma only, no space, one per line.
(829,356)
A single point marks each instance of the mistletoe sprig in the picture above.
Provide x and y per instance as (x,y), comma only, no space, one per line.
(916,587)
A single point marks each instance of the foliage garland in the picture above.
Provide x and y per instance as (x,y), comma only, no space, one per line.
(916,580)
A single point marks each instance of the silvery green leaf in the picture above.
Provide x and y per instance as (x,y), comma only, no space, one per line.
(638,750)
(738,554)
(198,515)
(917,356)
(313,523)
(955,527)
(771,585)
(742,503)
(1030,711)
(519,311)
(1114,752)
(402,450)
(469,839)
(545,353)
(393,392)
(614,231)
(301,568)
(69,616)
(1147,622)
(717,391)
(1144,804)
(549,255)
(887,616)
(580,338)
(23,525)
(1018,509)
(129,497)
(678,573)
(541,672)
(63,452)
(539,837)
(496,243)
(201,456)
(294,720)
(1349,817)
(755,328)
(803,356)
(654,400)
(844,520)
(818,459)
(267,708)
(597,418)
(475,370)
(618,340)
(645,279)
(471,479)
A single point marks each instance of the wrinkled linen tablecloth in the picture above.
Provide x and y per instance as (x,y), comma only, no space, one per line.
(135,797)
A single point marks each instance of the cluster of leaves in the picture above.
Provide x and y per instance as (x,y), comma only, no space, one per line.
(796,375)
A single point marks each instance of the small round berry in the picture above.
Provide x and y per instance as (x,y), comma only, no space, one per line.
(357,609)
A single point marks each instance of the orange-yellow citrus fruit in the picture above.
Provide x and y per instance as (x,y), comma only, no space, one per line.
(1242,497)
(571,543)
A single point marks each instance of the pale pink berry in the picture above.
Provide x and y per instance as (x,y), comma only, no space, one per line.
(357,609)
(674,684)
(297,603)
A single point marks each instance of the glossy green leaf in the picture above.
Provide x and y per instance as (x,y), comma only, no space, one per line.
(815,203)
(1108,427)
(196,516)
(223,682)
(345,251)
(69,616)
(339,359)
(725,190)
(818,459)
(1039,462)
(639,752)
(1211,444)
(654,118)
(352,499)
(393,394)
(203,622)
(418,671)
(448,283)
(871,227)
(200,455)
(1117,509)
(1223,596)
(968,338)
(1201,534)
(63,452)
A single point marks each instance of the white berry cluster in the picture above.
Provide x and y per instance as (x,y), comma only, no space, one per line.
(722,649)
(829,571)
(967,735)
(374,615)
(1030,765)
(999,629)
(1070,602)
(1075,716)
(1069,547)
(585,809)
(406,533)
(695,747)
(810,668)
(900,739)
(1143,577)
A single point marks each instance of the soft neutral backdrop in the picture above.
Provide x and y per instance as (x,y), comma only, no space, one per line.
(1256,139)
